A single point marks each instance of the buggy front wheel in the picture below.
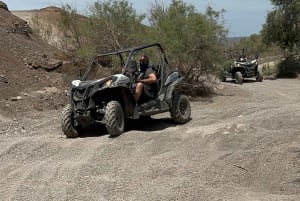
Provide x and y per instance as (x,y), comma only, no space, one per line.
(181,109)
(114,118)
(238,77)
(67,122)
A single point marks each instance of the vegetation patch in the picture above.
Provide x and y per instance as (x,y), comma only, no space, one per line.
(289,67)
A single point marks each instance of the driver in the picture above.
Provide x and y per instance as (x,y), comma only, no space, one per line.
(147,83)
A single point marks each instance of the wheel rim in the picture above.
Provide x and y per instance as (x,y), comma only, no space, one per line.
(183,107)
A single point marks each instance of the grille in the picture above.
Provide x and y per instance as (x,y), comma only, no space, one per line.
(78,94)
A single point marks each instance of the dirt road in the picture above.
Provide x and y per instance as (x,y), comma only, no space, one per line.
(242,145)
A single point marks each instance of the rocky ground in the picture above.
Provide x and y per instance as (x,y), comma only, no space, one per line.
(29,68)
(242,144)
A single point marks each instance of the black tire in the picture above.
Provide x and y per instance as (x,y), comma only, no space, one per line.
(181,109)
(114,118)
(67,122)
(238,77)
(259,76)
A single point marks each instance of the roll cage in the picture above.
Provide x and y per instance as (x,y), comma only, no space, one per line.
(123,60)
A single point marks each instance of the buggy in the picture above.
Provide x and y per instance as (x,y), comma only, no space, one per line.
(105,92)
(240,67)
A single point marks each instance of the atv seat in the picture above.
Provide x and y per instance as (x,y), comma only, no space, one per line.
(132,68)
(156,70)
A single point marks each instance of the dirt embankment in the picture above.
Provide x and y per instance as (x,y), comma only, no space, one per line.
(240,145)
(26,62)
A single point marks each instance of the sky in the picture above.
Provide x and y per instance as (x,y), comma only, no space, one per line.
(242,17)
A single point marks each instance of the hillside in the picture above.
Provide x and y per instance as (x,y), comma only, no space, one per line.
(27,65)
(46,22)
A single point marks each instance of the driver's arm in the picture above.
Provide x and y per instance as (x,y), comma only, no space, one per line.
(151,79)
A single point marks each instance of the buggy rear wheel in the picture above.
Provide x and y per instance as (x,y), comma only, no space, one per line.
(114,118)
(238,77)
(67,122)
(181,109)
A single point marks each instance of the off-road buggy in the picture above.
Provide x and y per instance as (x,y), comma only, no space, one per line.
(109,99)
(240,67)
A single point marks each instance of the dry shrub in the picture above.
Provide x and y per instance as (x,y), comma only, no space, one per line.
(204,85)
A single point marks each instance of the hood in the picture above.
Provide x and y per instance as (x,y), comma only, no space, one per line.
(83,84)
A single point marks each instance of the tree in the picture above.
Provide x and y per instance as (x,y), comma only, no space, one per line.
(254,45)
(115,24)
(283,25)
(70,24)
(192,38)
(283,28)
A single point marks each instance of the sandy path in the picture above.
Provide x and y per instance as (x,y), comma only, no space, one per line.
(242,145)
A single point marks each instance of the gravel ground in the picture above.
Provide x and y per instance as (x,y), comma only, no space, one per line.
(242,145)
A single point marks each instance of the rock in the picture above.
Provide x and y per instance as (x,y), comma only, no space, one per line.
(49,90)
(22,27)
(271,77)
(53,65)
(17,98)
(36,66)
(3,5)
(3,79)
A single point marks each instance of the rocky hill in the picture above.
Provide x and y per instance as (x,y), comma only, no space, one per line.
(45,22)
(28,67)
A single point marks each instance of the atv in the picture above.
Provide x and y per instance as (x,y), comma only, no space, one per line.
(241,68)
(109,99)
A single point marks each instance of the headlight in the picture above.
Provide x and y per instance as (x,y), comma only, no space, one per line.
(238,65)
(76,83)
(107,83)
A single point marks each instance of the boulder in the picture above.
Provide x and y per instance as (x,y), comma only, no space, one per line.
(3,5)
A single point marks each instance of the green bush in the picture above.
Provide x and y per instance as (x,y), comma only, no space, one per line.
(289,67)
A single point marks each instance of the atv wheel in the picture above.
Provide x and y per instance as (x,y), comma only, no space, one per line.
(238,77)
(114,118)
(259,76)
(67,122)
(181,109)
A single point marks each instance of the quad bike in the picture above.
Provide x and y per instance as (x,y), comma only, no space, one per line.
(241,68)
(110,100)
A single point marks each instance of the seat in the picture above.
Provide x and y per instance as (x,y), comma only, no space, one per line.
(156,70)
(131,69)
